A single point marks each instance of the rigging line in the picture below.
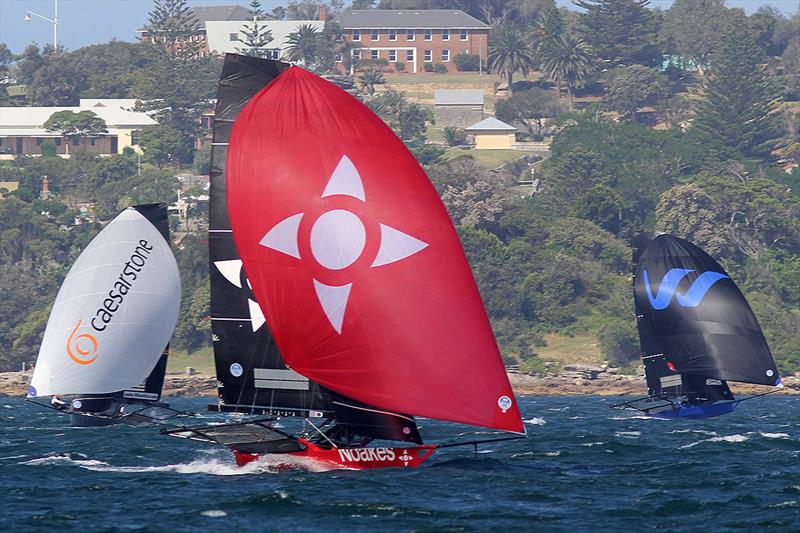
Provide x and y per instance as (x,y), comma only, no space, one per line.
(321,433)
(476,442)
(758,395)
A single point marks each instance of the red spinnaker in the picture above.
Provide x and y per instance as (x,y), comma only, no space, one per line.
(354,260)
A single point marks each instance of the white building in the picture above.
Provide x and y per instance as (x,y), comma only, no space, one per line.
(22,128)
(226,36)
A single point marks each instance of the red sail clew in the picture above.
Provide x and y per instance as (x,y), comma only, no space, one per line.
(354,260)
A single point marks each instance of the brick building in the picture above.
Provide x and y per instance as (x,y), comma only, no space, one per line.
(414,37)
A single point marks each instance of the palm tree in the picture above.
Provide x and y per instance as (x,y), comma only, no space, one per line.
(509,52)
(567,60)
(369,79)
(303,44)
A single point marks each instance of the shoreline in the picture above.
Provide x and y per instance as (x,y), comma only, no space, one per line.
(15,385)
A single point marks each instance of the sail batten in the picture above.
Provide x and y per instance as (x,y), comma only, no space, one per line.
(409,334)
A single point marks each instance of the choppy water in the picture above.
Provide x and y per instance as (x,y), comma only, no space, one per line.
(584,467)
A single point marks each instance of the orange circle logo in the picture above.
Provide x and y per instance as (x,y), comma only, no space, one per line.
(84,344)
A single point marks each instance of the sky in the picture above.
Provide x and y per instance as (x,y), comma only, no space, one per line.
(85,22)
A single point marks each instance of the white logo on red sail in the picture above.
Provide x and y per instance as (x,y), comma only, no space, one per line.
(231,270)
(338,238)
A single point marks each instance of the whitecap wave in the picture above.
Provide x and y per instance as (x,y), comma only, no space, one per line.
(627,434)
(774,435)
(536,421)
(214,513)
(727,438)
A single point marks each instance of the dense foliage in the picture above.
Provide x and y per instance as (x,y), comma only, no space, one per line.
(721,87)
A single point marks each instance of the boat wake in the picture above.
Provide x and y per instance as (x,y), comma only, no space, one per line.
(536,421)
(210,466)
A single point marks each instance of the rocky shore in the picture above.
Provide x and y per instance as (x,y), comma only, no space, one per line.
(571,381)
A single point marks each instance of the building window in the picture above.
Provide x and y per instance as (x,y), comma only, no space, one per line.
(445,55)
(58,142)
(274,53)
(356,35)
(409,55)
(375,54)
(464,35)
(392,55)
(356,54)
(76,141)
(337,58)
(93,140)
(38,142)
(376,36)
(428,35)
(409,35)
(392,35)
(233,37)
(445,35)
(428,56)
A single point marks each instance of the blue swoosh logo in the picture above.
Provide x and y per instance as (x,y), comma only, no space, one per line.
(669,285)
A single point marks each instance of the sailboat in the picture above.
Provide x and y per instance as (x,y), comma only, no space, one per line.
(104,352)
(340,291)
(697,332)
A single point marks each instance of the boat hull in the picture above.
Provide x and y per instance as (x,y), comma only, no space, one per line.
(697,411)
(345,458)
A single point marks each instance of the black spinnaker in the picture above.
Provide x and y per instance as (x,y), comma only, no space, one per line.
(696,329)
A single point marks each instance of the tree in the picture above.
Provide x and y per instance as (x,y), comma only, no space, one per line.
(172,26)
(568,60)
(303,44)
(73,125)
(528,108)
(603,206)
(633,87)
(256,35)
(740,104)
(6,58)
(509,53)
(54,82)
(791,67)
(406,119)
(621,32)
(177,85)
(369,79)
(454,136)
(693,28)
(162,144)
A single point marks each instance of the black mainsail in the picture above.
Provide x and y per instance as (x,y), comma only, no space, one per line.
(253,378)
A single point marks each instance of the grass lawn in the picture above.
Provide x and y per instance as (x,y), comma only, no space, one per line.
(466,78)
(202,360)
(582,349)
(487,158)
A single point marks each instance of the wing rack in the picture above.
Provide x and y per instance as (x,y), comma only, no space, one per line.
(254,436)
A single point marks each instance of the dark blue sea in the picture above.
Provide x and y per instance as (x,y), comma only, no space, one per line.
(584,467)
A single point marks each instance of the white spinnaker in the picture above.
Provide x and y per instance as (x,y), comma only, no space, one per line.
(76,358)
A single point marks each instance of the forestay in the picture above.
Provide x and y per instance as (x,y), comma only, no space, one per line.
(114,314)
